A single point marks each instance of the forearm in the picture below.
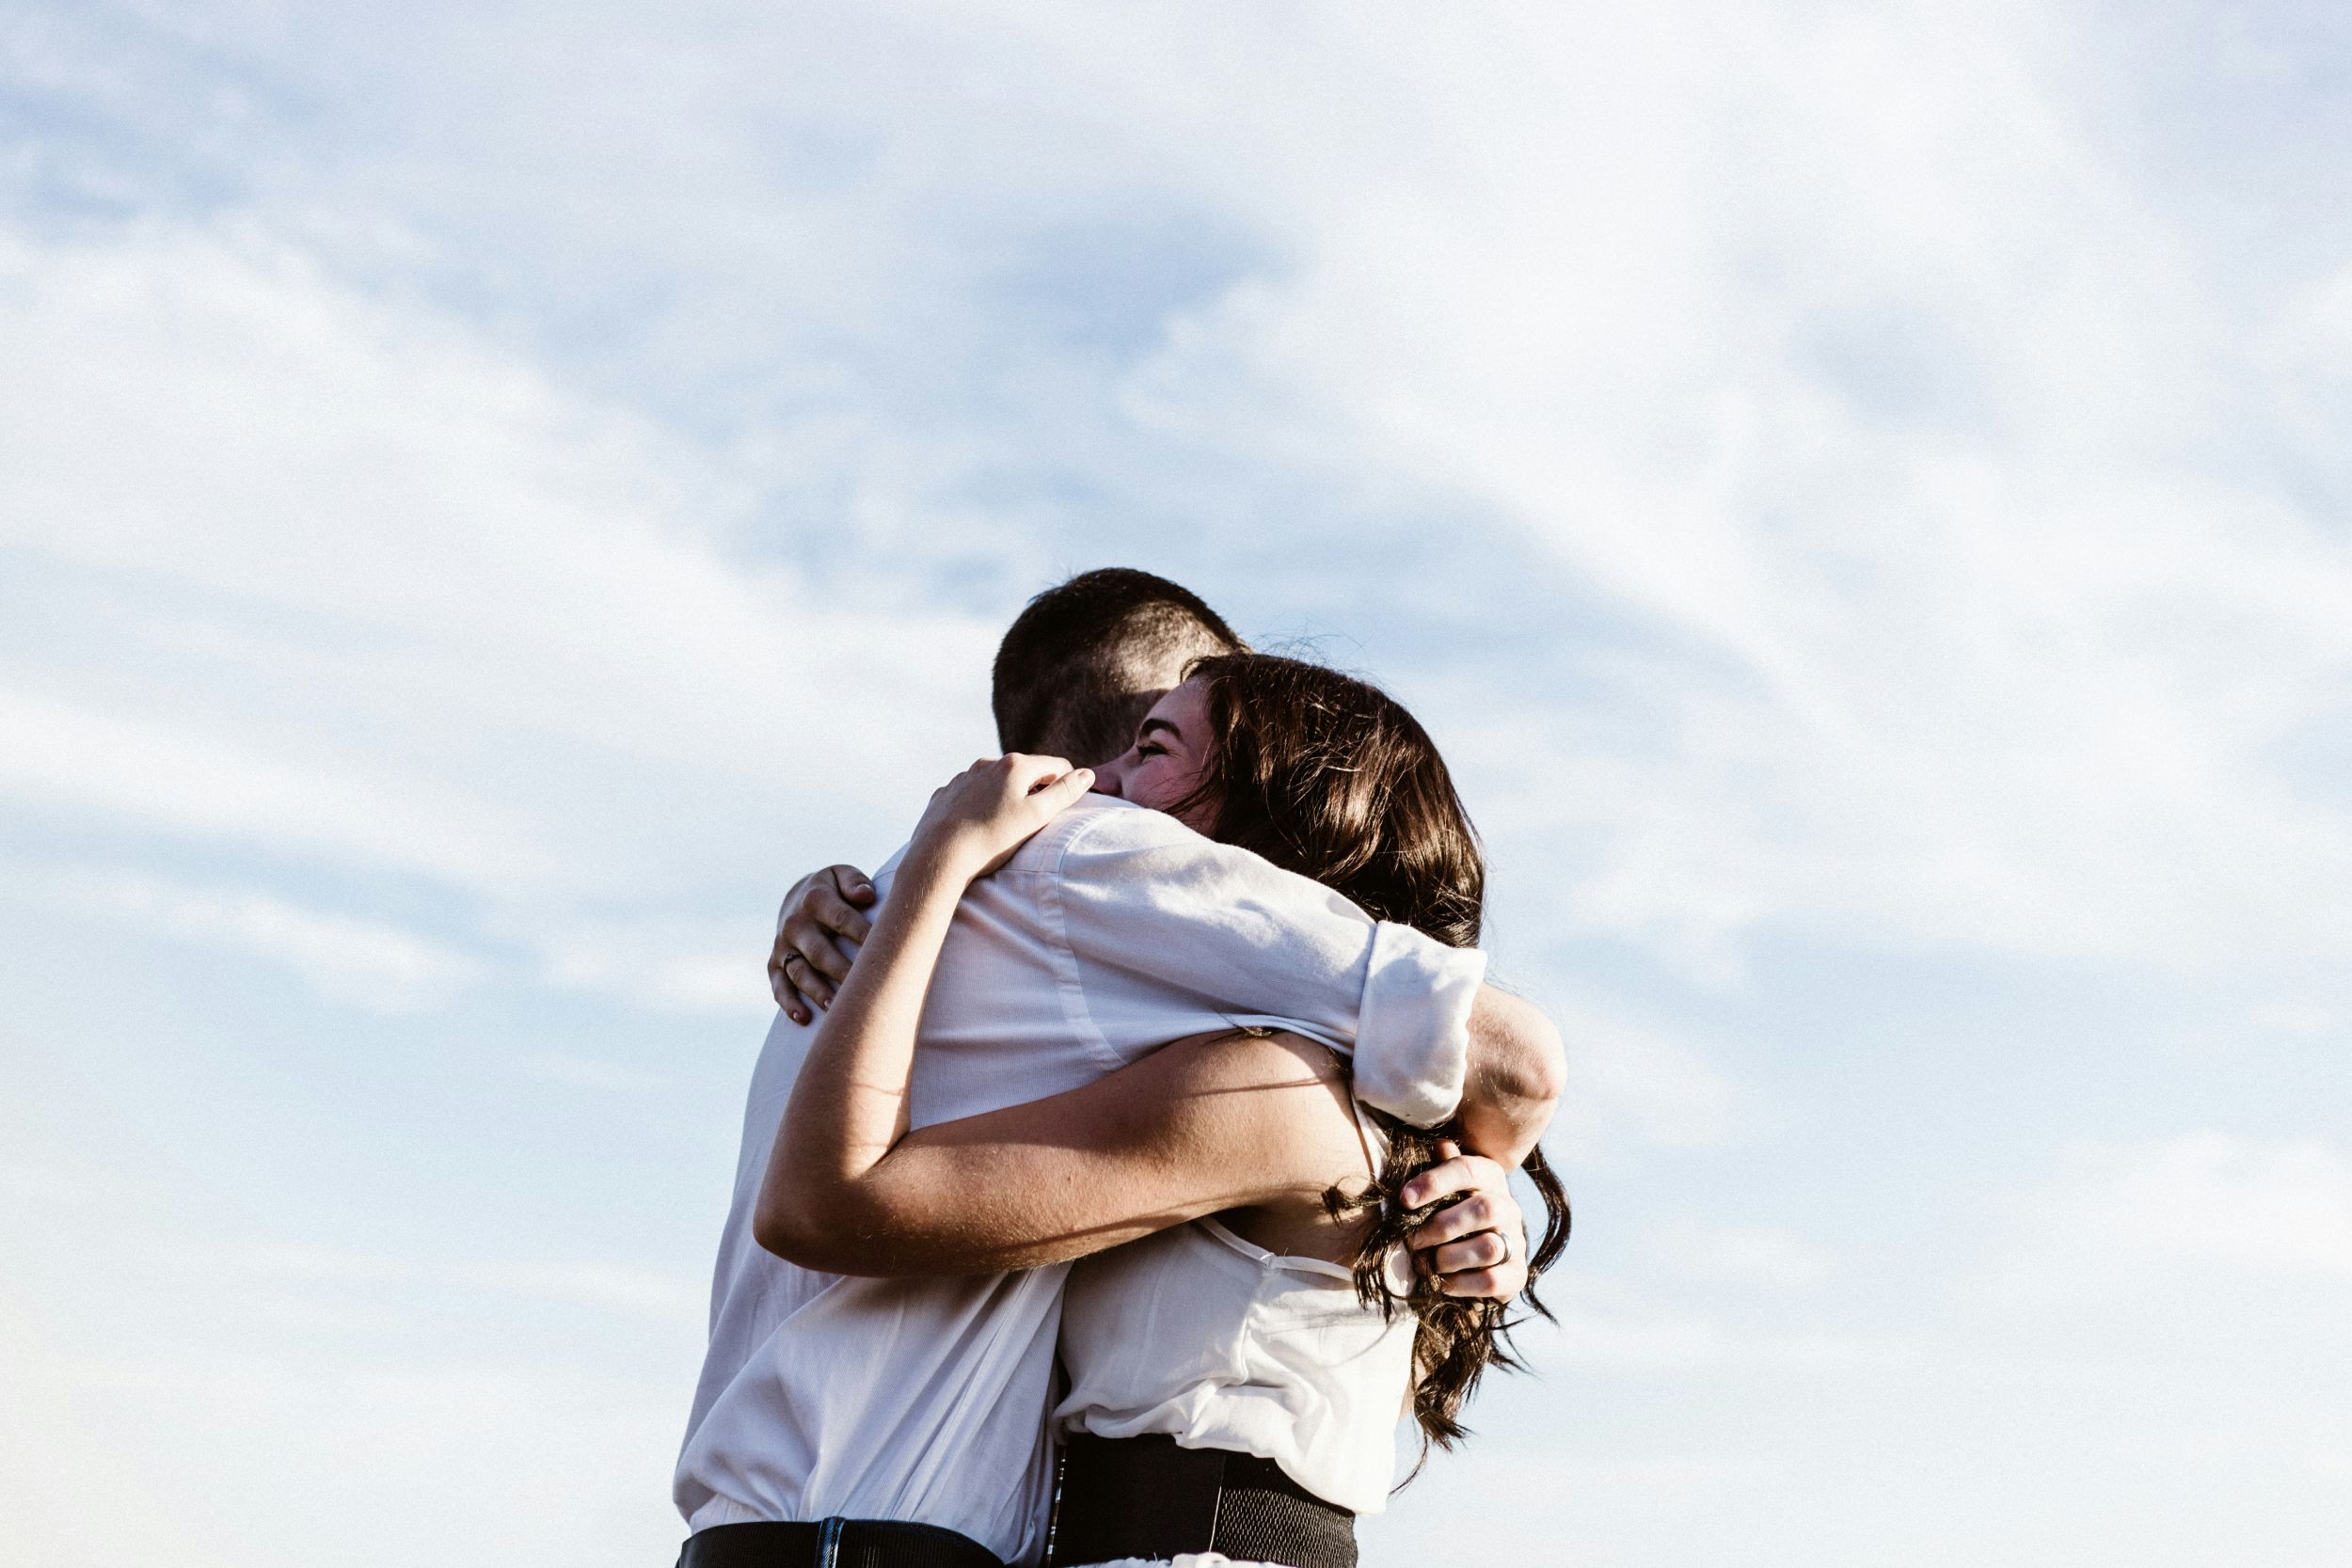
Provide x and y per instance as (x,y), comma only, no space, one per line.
(1516,1073)
(849,1105)
(987,1207)
(1204,1125)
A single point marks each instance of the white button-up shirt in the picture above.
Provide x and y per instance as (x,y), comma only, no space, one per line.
(1114,931)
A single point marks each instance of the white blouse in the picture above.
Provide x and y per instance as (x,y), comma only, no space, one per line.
(1200,1335)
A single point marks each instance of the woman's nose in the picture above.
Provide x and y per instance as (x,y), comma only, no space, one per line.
(1107,778)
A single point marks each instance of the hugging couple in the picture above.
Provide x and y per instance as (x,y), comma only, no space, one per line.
(1148,1163)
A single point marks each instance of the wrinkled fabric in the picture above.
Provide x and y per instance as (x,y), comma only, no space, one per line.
(1200,1335)
(1112,932)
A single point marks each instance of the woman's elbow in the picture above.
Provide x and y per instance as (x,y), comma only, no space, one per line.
(782,1227)
(831,1238)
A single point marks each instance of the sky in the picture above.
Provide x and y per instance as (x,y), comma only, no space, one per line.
(488,495)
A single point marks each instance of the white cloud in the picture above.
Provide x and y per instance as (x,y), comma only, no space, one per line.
(1774,1260)
(596,1283)
(364,962)
(530,499)
(669,965)
(1632,1085)
(1832,348)
(327,577)
(156,770)
(1667,1341)
(588,1072)
(581,1282)
(2204,1201)
(247,1459)
(2300,1020)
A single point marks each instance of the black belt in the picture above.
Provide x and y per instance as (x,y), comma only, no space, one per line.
(833,1543)
(1147,1498)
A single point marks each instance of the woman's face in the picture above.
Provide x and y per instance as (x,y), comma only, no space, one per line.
(1166,762)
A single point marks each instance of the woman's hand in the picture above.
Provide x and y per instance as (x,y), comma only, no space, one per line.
(977,820)
(1475,1247)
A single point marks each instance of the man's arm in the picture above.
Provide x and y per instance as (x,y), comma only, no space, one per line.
(1158,916)
(1431,1043)
(1198,918)
(1163,901)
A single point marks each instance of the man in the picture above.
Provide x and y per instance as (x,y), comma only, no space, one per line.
(1074,675)
(901,1421)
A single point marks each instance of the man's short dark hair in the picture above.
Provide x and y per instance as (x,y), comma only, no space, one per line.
(1067,672)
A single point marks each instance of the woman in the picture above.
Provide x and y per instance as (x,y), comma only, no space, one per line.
(1235,1377)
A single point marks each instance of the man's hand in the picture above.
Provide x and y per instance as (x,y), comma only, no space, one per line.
(823,910)
(1476,1247)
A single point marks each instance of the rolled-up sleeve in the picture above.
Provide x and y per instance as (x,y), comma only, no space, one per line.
(1412,1042)
(1167,933)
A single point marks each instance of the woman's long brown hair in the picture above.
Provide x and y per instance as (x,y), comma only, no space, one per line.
(1326,776)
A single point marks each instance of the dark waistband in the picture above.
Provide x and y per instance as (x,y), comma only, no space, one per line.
(833,1543)
(1148,1498)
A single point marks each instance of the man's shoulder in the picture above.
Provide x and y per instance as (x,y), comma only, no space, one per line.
(1102,825)
(1106,843)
